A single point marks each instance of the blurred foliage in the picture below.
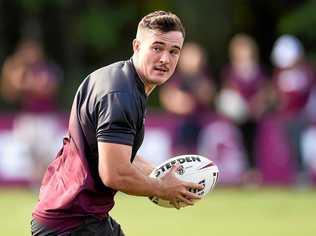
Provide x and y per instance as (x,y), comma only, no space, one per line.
(101,28)
(82,36)
(302,22)
(34,6)
(208,23)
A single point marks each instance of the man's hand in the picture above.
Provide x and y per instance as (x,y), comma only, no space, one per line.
(177,191)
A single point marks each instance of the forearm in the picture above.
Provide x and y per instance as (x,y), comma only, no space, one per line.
(134,182)
(117,172)
(144,166)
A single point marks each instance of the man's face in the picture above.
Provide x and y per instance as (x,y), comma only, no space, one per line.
(157,55)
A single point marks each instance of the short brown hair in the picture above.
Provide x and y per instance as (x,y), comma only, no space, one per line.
(162,21)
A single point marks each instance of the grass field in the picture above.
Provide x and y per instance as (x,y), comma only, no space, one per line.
(226,212)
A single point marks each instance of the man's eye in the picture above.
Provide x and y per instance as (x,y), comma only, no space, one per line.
(174,52)
(155,49)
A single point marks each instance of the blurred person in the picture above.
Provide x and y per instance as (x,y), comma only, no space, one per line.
(242,96)
(308,139)
(12,74)
(30,81)
(220,141)
(293,75)
(188,96)
(294,80)
(308,147)
(106,128)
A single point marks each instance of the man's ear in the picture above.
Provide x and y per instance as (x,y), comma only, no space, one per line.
(136,45)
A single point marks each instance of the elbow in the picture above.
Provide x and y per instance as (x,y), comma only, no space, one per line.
(116,180)
(111,181)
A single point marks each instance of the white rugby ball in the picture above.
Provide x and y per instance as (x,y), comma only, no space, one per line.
(193,168)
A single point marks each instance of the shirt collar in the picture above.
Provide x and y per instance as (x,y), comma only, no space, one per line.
(139,83)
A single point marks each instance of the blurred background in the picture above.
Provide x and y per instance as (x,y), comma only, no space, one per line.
(243,95)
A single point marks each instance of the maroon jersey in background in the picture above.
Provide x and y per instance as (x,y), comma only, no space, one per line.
(294,86)
(247,87)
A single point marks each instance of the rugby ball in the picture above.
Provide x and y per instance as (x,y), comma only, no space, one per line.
(193,168)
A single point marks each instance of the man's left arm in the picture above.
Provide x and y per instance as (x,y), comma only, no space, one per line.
(144,166)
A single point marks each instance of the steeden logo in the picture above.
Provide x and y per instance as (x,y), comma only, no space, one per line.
(180,170)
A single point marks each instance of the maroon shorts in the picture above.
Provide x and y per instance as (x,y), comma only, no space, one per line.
(91,226)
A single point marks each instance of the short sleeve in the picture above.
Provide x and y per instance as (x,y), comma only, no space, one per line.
(116,114)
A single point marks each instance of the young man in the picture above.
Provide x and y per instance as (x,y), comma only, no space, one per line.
(106,128)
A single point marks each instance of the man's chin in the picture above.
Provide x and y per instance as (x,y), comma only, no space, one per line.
(159,80)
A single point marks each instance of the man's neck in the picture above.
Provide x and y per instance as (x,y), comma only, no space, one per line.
(147,86)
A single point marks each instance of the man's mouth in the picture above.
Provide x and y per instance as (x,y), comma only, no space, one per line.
(161,69)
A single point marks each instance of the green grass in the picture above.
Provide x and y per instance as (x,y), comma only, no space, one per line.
(263,212)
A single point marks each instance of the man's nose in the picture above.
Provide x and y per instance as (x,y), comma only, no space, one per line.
(165,58)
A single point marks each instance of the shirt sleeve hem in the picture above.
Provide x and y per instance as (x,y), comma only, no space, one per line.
(103,140)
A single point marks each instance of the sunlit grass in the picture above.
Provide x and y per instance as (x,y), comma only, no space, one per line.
(260,212)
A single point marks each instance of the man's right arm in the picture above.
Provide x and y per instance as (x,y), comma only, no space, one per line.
(117,172)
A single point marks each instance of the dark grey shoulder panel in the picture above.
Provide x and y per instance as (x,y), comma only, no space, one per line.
(116,77)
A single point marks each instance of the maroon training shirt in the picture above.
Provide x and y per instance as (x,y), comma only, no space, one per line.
(109,107)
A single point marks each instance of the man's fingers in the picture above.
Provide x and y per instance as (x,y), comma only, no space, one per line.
(175,167)
(186,200)
(190,195)
(176,204)
(194,186)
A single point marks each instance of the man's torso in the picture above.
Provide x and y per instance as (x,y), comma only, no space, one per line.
(109,107)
